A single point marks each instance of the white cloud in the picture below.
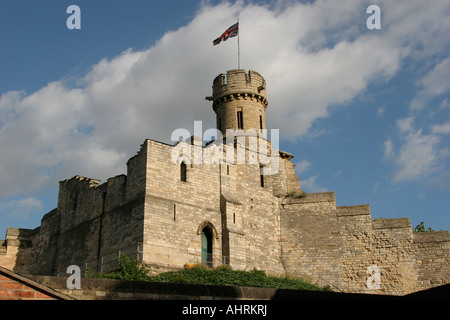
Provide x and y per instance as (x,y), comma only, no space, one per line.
(310,185)
(405,124)
(302,166)
(388,149)
(444,104)
(22,207)
(381,111)
(418,156)
(435,83)
(422,155)
(441,128)
(338,173)
(312,56)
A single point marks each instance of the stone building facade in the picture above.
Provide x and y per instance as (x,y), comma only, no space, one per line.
(235,200)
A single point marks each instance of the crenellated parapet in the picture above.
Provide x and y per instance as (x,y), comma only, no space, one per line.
(345,245)
(239,85)
(82,181)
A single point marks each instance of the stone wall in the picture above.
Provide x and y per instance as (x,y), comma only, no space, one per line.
(341,247)
(310,237)
(175,209)
(432,251)
(92,220)
(15,249)
(226,197)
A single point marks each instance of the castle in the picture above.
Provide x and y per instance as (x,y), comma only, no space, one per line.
(234,201)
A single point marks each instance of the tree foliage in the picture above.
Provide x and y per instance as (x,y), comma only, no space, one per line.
(421,228)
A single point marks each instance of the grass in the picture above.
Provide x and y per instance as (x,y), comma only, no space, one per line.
(199,274)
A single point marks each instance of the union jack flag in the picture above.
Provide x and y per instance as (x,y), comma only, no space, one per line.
(229,33)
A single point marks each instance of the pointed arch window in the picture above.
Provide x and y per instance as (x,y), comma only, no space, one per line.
(183,171)
(206,239)
(207,233)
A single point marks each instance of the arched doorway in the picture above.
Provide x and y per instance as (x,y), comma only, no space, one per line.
(207,240)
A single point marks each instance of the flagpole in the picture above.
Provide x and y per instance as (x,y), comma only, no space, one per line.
(239,53)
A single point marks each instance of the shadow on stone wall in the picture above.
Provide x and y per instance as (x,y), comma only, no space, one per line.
(103,289)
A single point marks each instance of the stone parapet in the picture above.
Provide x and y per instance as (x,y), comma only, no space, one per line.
(435,236)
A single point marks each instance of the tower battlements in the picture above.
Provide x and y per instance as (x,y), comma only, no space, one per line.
(239,84)
(239,100)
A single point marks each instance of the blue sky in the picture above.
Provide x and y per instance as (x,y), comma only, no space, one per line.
(366,113)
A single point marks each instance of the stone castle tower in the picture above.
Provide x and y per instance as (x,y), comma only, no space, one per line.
(239,100)
(234,201)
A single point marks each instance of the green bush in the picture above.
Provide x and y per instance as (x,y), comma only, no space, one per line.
(200,274)
(129,269)
(421,228)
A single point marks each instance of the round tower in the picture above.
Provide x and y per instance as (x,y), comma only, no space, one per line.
(239,100)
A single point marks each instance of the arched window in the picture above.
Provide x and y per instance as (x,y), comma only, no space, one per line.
(207,239)
(183,171)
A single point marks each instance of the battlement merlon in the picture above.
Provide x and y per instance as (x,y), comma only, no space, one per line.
(93,183)
(239,84)
(433,236)
(19,237)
